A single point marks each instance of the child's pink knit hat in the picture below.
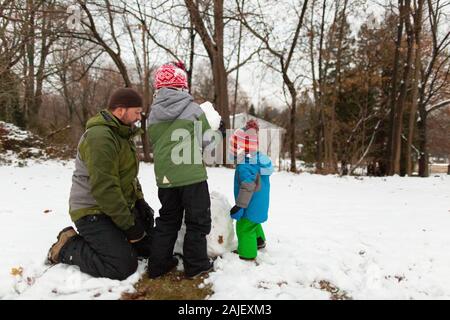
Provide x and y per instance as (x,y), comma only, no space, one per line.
(171,75)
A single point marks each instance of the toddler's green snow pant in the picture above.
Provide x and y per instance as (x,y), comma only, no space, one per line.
(247,233)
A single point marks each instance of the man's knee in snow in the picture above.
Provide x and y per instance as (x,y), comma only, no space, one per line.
(123,269)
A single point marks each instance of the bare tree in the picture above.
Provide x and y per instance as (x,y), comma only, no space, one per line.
(338,28)
(213,42)
(284,58)
(405,13)
(237,71)
(418,21)
(317,81)
(12,39)
(394,83)
(110,45)
(329,49)
(135,21)
(435,75)
(143,68)
(12,42)
(41,28)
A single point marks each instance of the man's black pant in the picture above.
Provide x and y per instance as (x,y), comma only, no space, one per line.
(102,250)
(194,202)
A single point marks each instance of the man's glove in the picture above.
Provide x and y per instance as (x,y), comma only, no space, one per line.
(136,232)
(144,213)
(236,213)
(222,128)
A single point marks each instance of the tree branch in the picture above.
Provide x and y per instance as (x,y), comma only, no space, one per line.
(297,32)
(438,106)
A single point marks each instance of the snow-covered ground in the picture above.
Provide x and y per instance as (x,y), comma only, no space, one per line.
(373,238)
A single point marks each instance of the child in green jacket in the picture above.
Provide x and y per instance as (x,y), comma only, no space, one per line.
(182,185)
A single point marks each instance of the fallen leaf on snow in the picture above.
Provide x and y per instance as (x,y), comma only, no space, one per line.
(17,271)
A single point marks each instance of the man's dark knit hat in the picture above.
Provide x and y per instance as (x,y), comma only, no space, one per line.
(125,98)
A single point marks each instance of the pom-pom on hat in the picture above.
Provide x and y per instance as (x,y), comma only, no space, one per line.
(245,140)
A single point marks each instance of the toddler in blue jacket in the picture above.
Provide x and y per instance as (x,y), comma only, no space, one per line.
(251,190)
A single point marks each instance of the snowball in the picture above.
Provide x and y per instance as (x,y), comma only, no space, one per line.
(211,114)
(221,238)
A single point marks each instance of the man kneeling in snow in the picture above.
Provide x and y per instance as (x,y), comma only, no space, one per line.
(106,200)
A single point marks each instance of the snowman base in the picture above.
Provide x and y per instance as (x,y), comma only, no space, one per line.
(221,238)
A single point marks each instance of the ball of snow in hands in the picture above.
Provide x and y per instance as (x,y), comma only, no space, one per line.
(211,114)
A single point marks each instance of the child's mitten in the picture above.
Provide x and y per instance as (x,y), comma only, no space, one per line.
(236,212)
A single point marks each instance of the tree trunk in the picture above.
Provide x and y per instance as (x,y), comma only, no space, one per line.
(146,97)
(398,124)
(146,111)
(220,81)
(292,122)
(214,48)
(415,87)
(29,65)
(46,42)
(190,71)
(423,146)
(321,128)
(221,87)
(317,85)
(237,71)
(332,161)
(293,143)
(393,96)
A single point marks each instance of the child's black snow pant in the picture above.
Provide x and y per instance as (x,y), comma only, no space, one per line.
(194,202)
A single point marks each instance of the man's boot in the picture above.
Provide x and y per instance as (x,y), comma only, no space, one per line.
(63,237)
